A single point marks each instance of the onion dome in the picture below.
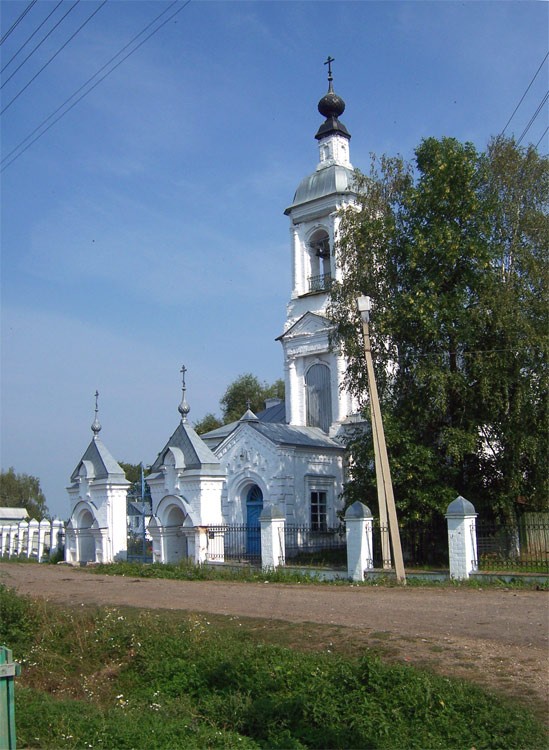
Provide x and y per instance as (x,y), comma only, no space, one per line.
(331,106)
(183,407)
(96,426)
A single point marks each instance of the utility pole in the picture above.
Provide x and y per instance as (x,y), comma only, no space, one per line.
(387,507)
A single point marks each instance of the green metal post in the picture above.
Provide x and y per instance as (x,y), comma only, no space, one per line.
(8,671)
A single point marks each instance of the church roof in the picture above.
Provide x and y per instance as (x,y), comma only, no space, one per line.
(248,416)
(196,454)
(307,323)
(275,413)
(214,437)
(299,437)
(104,465)
(331,180)
(331,106)
(278,432)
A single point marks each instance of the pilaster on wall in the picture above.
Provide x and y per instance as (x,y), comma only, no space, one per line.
(462,538)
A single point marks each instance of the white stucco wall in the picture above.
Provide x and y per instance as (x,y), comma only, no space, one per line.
(285,475)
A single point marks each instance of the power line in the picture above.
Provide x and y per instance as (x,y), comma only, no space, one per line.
(17,22)
(527,90)
(37,29)
(54,56)
(95,84)
(83,86)
(542,136)
(536,113)
(40,43)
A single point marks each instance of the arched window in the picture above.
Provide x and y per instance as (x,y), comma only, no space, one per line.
(254,496)
(319,397)
(319,249)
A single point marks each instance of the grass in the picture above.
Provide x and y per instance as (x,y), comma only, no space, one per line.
(117,679)
(188,571)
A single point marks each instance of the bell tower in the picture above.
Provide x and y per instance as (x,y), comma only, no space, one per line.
(314,373)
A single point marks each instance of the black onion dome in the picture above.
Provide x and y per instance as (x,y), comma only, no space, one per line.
(331,105)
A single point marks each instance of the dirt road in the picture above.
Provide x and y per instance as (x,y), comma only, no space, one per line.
(499,638)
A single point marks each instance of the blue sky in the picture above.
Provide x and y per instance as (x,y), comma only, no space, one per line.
(146,228)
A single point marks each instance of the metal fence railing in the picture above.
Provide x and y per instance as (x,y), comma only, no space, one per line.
(234,543)
(424,545)
(320,547)
(320,283)
(522,546)
(139,549)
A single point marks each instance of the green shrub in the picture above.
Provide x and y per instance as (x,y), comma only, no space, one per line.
(106,678)
(19,621)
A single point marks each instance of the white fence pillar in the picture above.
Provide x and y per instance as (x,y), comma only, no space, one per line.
(157,545)
(273,547)
(32,538)
(4,540)
(44,534)
(462,538)
(13,537)
(198,544)
(57,536)
(358,525)
(22,536)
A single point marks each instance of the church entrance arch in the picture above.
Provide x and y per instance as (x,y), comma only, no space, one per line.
(254,506)
(174,539)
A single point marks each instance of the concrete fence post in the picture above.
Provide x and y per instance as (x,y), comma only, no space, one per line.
(197,544)
(44,529)
(14,536)
(57,536)
(32,538)
(462,538)
(358,526)
(22,537)
(273,548)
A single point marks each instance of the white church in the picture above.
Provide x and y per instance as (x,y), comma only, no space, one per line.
(290,455)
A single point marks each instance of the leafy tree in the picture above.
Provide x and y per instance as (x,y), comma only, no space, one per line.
(23,491)
(133,475)
(132,471)
(248,389)
(513,382)
(455,259)
(207,423)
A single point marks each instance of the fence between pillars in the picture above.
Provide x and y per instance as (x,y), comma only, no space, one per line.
(522,545)
(38,540)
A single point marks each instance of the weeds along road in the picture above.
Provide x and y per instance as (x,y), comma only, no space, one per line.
(498,638)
